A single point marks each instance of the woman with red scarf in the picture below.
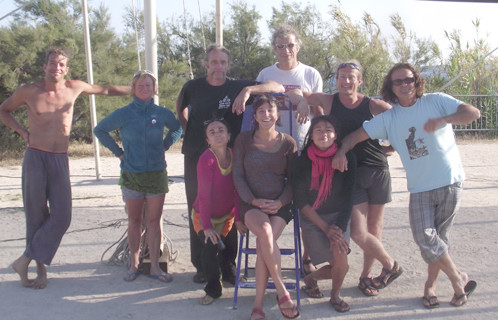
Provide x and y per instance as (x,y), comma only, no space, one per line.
(324,198)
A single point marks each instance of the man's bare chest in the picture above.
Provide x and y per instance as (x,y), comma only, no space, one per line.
(50,104)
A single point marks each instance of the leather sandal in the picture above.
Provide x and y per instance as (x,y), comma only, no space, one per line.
(367,288)
(387,276)
(285,310)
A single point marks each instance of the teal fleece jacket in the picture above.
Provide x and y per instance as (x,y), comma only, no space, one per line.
(141,127)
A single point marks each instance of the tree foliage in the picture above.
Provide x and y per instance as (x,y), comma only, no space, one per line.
(327,39)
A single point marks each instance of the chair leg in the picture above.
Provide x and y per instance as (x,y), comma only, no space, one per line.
(298,263)
(297,256)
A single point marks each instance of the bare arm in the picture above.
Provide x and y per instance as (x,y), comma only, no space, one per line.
(378,106)
(465,113)
(340,162)
(314,217)
(182,114)
(239,104)
(8,106)
(302,112)
(320,102)
(107,90)
(317,111)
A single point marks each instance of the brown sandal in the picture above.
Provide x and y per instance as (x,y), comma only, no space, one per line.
(367,288)
(387,276)
(311,288)
(340,306)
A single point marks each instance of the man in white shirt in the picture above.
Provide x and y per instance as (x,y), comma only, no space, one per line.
(292,74)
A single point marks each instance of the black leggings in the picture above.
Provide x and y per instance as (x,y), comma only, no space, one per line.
(227,256)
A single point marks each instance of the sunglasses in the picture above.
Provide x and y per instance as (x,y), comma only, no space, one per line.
(144,72)
(207,122)
(398,82)
(289,45)
(348,64)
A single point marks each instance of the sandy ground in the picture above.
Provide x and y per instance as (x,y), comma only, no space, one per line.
(82,287)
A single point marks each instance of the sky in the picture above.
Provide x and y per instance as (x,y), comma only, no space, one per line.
(428,19)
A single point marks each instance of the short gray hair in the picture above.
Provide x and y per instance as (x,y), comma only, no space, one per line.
(284,31)
(216,47)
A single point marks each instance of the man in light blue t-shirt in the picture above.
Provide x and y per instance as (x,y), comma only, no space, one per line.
(419,128)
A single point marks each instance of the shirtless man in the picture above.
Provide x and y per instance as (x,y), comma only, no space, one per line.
(45,173)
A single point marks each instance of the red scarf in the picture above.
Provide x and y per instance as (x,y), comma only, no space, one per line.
(321,165)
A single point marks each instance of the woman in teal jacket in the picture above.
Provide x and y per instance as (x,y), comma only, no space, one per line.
(144,178)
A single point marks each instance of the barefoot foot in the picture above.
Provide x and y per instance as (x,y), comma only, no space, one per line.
(41,278)
(20,266)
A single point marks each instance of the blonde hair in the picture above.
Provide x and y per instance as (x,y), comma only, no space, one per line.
(142,74)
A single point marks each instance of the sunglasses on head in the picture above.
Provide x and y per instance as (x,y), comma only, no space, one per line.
(398,82)
(207,122)
(144,72)
(348,64)
(289,45)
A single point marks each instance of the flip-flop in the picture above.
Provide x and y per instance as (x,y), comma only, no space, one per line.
(430,302)
(163,277)
(469,288)
(131,276)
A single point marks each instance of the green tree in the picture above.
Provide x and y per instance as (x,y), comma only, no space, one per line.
(409,48)
(469,64)
(242,38)
(363,42)
(314,32)
(44,23)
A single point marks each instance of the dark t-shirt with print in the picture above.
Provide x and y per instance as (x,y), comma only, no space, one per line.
(205,102)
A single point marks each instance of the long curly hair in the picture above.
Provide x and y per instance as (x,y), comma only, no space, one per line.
(387,87)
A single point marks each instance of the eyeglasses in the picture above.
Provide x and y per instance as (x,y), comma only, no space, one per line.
(289,45)
(348,64)
(398,82)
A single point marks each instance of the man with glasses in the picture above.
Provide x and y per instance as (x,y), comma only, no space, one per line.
(419,127)
(213,96)
(293,74)
(46,187)
(373,183)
